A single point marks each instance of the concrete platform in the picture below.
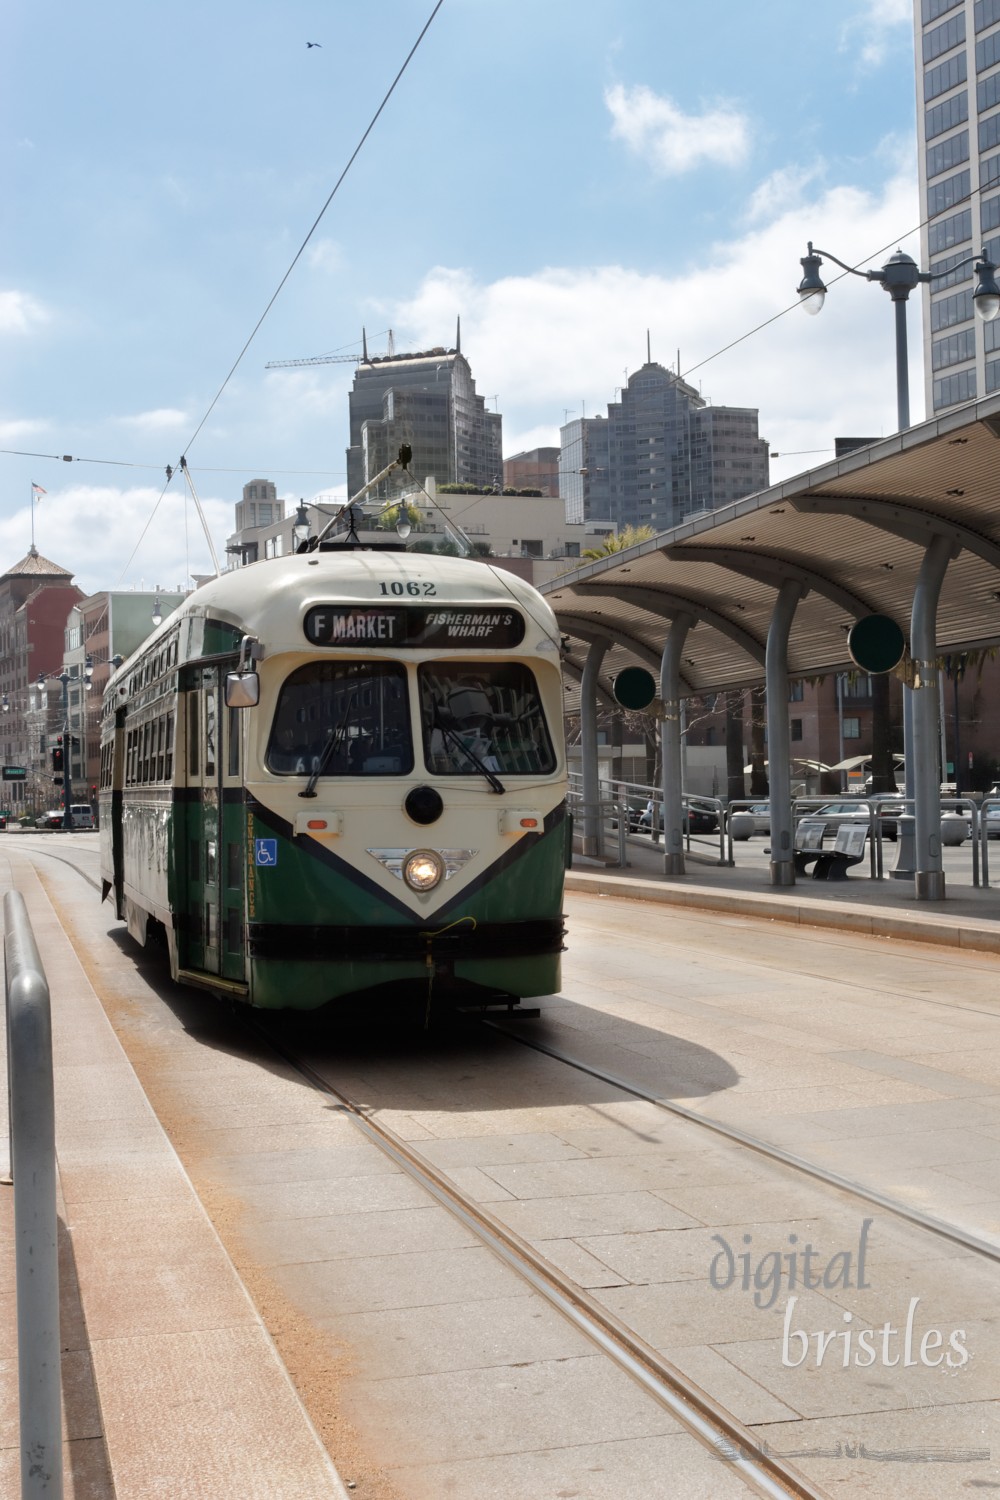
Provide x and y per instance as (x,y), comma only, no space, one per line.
(968,918)
(171,1384)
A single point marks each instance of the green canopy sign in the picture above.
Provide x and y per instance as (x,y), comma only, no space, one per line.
(876,643)
(634,688)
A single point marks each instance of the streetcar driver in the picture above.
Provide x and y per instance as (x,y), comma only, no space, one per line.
(286,750)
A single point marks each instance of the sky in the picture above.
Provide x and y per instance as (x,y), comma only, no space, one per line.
(567,177)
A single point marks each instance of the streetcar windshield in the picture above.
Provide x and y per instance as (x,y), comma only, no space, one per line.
(486,716)
(342,719)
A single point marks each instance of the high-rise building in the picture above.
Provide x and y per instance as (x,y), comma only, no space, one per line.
(538,469)
(662,453)
(260,505)
(427,400)
(958,135)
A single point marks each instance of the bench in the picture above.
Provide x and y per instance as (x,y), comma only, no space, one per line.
(808,843)
(849,849)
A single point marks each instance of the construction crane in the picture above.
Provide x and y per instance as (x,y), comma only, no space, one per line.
(335,359)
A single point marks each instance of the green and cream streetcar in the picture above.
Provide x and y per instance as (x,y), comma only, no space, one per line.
(341,774)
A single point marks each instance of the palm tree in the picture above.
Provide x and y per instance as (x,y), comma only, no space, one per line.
(619,541)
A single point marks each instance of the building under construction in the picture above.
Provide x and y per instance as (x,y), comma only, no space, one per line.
(428,400)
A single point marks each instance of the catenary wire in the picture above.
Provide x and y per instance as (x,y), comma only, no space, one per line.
(298,254)
(124,463)
(832,282)
(295,260)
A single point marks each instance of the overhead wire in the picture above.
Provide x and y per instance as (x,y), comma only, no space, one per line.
(294,262)
(315,225)
(792,305)
(68,458)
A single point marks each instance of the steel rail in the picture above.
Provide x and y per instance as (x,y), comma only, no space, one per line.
(717,1429)
(733,1133)
(766,1148)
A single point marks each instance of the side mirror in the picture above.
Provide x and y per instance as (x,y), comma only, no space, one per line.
(242,689)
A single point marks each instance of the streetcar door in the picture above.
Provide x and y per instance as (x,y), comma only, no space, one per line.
(200,931)
(232,867)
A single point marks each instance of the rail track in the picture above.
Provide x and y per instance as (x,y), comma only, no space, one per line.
(704,1418)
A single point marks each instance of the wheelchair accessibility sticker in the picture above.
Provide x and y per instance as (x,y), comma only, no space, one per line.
(266,851)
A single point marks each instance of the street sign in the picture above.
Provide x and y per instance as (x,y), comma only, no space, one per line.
(13,773)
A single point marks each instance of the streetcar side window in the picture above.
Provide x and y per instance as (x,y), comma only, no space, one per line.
(483,715)
(342,718)
(169,765)
(193,732)
(210,731)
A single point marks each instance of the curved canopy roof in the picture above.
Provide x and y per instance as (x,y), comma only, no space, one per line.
(853,533)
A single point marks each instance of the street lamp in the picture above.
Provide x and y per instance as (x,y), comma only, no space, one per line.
(301,528)
(899,276)
(67,745)
(157,612)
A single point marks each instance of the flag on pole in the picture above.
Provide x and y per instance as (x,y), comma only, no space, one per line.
(37,490)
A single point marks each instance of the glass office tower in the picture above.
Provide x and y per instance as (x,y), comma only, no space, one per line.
(958,132)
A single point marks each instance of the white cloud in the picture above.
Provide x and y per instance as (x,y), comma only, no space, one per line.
(21,430)
(164,419)
(20,312)
(563,338)
(657,130)
(71,529)
(877,28)
(325,256)
(784,190)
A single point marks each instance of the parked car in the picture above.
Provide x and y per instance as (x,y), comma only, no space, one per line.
(53,819)
(761,814)
(699,819)
(991,817)
(836,814)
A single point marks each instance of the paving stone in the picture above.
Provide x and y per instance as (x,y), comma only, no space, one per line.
(660,1468)
(464,1414)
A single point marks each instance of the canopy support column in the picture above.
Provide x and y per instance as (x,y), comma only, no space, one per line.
(591,842)
(670,745)
(779,745)
(929,873)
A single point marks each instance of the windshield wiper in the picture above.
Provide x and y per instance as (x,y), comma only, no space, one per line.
(335,738)
(496,784)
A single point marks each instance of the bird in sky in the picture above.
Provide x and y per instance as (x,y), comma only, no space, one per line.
(314,44)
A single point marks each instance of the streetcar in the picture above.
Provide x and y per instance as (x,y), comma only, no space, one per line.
(341,774)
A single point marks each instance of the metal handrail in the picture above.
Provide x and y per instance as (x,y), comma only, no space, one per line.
(31,1101)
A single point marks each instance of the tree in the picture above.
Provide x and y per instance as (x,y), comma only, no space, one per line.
(735,782)
(619,541)
(388,520)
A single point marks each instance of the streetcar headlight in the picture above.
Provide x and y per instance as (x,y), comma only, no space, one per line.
(423,869)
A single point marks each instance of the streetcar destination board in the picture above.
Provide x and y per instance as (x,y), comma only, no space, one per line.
(403,627)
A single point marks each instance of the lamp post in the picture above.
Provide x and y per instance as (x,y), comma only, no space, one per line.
(67,746)
(899,276)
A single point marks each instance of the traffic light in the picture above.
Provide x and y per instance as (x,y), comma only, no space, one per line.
(57,755)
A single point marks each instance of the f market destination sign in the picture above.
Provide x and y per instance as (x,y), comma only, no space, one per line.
(413,629)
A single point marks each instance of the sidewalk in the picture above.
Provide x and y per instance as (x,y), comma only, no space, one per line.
(968,917)
(171,1383)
